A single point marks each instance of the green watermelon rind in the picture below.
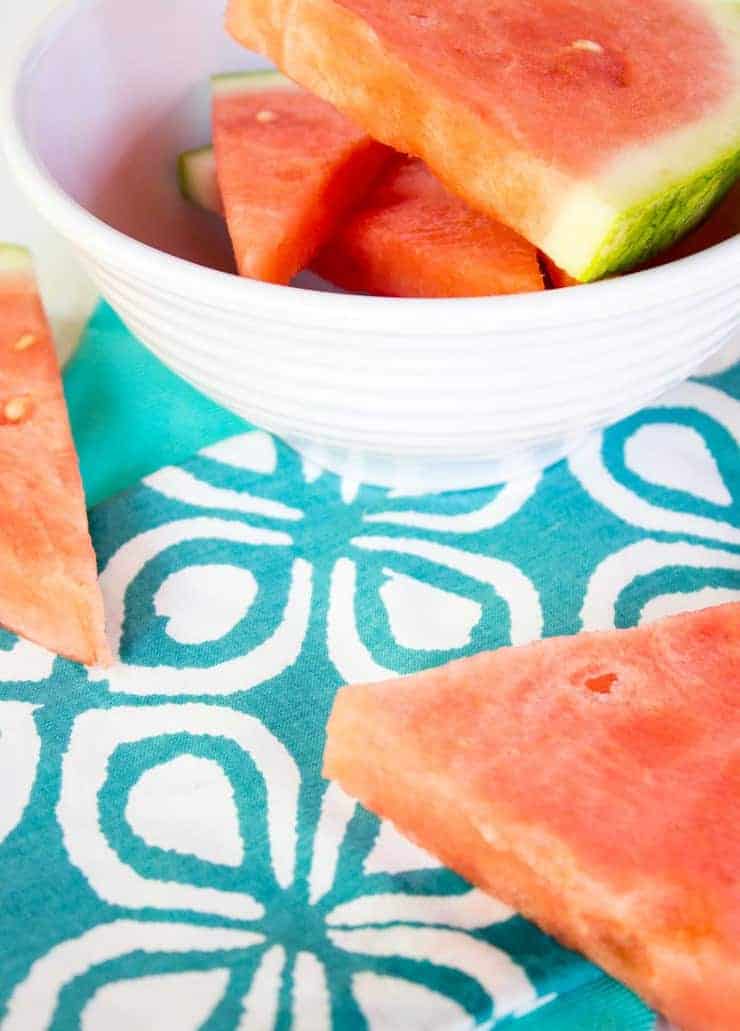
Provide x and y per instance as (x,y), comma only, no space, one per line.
(250,82)
(654,224)
(14,258)
(655,192)
(191,177)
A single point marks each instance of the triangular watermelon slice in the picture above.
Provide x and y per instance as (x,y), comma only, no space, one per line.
(48,576)
(600,131)
(409,238)
(289,168)
(592,782)
(413,238)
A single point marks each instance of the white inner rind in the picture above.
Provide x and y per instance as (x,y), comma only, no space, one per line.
(14,258)
(250,82)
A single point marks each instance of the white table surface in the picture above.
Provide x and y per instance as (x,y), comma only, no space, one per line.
(68,293)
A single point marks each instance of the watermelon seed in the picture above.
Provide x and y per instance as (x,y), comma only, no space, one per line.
(265,117)
(587,44)
(24,342)
(16,409)
(601,684)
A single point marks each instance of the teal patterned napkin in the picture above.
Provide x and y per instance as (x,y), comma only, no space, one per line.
(170,856)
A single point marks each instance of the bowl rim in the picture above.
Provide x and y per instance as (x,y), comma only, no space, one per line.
(706,270)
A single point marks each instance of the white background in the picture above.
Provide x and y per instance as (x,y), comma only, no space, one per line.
(68,294)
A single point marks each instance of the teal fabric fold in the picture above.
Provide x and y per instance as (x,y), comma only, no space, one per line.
(130,415)
(171,855)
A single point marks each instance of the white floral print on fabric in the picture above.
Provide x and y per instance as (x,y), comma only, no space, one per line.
(699,500)
(621,569)
(198,871)
(693,472)
(449,618)
(420,928)
(271,657)
(20,748)
(32,1005)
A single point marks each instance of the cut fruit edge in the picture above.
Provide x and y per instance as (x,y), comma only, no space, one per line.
(42,457)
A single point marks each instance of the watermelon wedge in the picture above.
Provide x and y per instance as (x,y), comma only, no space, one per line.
(599,131)
(289,169)
(413,238)
(48,576)
(410,238)
(592,782)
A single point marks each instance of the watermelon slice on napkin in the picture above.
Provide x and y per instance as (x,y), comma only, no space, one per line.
(49,590)
(592,782)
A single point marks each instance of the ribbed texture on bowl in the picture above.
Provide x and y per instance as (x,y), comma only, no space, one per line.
(425,409)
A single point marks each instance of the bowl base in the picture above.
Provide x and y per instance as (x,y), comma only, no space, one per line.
(432,475)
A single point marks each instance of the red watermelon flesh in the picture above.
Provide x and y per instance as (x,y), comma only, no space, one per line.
(591,782)
(289,169)
(599,131)
(526,60)
(413,238)
(410,238)
(48,576)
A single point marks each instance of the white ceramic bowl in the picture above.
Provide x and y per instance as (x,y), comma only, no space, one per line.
(415,394)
